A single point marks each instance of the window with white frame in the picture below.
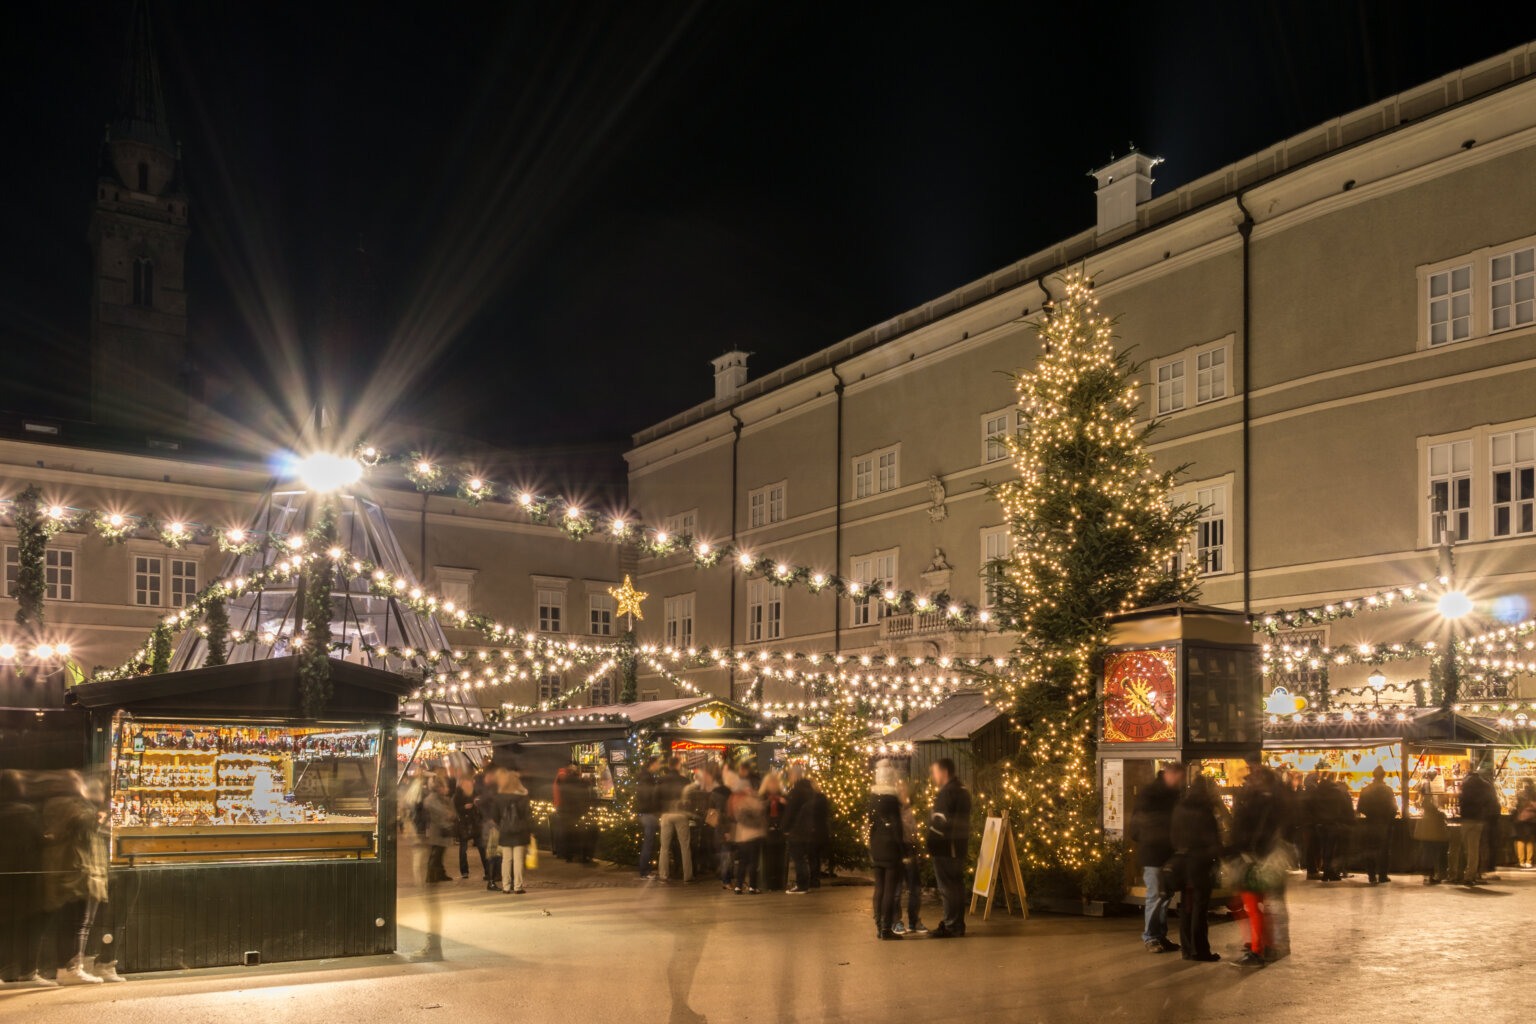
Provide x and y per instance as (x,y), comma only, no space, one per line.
(1211,375)
(678,620)
(1450,490)
(183,581)
(58,572)
(1512,289)
(1211,530)
(756,592)
(776,502)
(1450,305)
(600,610)
(1170,387)
(684,524)
(148,571)
(996,544)
(765,505)
(455,584)
(877,472)
(995,428)
(765,611)
(550,686)
(600,692)
(871,571)
(551,609)
(1513,460)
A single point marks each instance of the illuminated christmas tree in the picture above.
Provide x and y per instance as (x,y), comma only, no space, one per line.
(1093,534)
(833,750)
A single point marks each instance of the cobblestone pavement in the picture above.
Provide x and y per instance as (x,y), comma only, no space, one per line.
(596,944)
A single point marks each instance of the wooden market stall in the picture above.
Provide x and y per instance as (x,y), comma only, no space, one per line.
(963,727)
(239,831)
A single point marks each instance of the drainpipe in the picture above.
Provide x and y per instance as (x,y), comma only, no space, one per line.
(735,447)
(837,514)
(1245,229)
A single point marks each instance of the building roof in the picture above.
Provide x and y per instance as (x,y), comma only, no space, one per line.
(1348,130)
(958,718)
(140,113)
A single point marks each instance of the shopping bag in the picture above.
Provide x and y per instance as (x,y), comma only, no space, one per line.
(532,860)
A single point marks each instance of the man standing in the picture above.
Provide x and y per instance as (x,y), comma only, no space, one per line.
(1152,830)
(1378,806)
(574,798)
(1477,797)
(648,806)
(674,821)
(800,831)
(949,840)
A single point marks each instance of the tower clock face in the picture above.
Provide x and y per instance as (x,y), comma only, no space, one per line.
(1139,696)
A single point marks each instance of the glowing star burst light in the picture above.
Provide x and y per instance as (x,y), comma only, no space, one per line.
(1454,604)
(325,472)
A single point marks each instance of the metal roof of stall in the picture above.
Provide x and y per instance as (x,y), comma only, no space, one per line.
(960,717)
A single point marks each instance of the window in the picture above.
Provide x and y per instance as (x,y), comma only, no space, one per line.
(143,281)
(600,693)
(1170,387)
(58,572)
(678,618)
(994,429)
(1211,375)
(650,694)
(551,609)
(995,545)
(550,685)
(877,570)
(1450,305)
(877,472)
(1300,665)
(1514,483)
(600,607)
(683,524)
(1512,296)
(765,505)
(183,582)
(765,611)
(455,584)
(146,580)
(1450,490)
(1211,530)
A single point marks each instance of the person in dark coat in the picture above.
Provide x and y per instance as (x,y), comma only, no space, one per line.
(514,828)
(949,843)
(575,794)
(1378,806)
(648,808)
(720,811)
(800,832)
(887,847)
(486,786)
(1306,809)
(1256,825)
(1477,805)
(21,886)
(1151,829)
(1196,841)
(1332,812)
(468,827)
(774,842)
(821,819)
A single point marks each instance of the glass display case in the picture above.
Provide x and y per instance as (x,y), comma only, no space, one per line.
(186,791)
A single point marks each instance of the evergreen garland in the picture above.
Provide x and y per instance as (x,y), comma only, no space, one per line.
(1093,535)
(32,532)
(315,654)
(160,650)
(629,681)
(217,621)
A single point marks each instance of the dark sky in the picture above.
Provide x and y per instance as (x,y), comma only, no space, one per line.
(536,223)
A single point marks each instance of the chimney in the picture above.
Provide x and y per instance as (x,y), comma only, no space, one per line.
(1124,184)
(730,375)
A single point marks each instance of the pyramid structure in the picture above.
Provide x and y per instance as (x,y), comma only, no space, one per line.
(364,622)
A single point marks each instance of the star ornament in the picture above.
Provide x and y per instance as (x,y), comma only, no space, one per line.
(629,598)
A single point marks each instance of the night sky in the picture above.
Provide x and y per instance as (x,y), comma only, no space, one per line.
(536,223)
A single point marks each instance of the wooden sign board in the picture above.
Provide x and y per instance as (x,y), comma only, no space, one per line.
(998,864)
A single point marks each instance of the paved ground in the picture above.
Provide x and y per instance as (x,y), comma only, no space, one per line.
(590,944)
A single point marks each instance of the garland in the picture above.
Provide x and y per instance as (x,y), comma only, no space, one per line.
(629,681)
(33,529)
(216,621)
(315,653)
(160,650)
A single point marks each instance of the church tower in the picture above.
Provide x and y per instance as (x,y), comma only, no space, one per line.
(138,236)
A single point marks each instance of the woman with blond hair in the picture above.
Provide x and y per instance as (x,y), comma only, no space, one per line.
(514,823)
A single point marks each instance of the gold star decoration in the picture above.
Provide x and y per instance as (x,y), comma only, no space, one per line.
(628,597)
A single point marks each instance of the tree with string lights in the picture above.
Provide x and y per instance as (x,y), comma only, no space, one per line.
(1092,534)
(833,750)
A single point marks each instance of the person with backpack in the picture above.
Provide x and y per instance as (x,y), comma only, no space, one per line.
(514,827)
(887,847)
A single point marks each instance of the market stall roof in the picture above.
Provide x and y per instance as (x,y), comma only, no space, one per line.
(269,687)
(1416,725)
(960,717)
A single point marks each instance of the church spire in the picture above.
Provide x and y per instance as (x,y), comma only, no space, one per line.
(140,114)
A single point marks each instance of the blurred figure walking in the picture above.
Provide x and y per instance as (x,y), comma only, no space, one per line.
(912,867)
(514,828)
(1196,842)
(75,881)
(438,835)
(1152,830)
(1433,835)
(21,886)
(1378,806)
(674,821)
(949,841)
(648,809)
(800,831)
(748,827)
(887,848)
(774,842)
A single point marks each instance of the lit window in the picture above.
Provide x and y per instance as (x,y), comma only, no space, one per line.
(1211,375)
(872,572)
(1450,490)
(1170,387)
(678,612)
(183,582)
(146,580)
(1513,293)
(994,430)
(1514,483)
(551,607)
(1450,305)
(601,608)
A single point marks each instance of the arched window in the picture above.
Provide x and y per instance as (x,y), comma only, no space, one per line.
(143,177)
(144,281)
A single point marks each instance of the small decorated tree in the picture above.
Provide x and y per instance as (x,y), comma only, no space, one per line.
(833,752)
(1093,534)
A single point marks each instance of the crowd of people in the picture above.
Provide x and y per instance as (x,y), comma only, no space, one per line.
(53,881)
(1187,840)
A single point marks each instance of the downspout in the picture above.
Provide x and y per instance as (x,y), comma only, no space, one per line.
(735,446)
(837,514)
(1245,229)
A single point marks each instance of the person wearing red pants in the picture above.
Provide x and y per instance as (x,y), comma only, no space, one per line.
(1257,821)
